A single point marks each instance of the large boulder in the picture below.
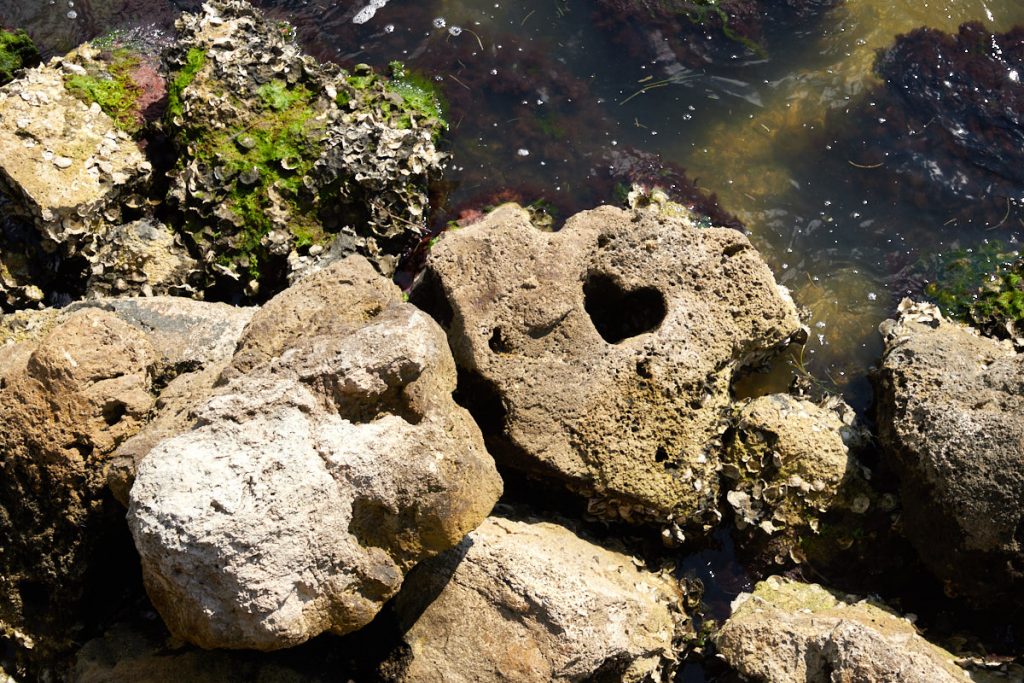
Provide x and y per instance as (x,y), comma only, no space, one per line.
(791,632)
(73,175)
(280,156)
(603,353)
(532,601)
(950,407)
(74,385)
(329,462)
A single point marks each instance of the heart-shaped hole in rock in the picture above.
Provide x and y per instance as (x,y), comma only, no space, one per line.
(618,313)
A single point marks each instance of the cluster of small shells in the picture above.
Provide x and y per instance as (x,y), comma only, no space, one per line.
(360,158)
(763,488)
(98,164)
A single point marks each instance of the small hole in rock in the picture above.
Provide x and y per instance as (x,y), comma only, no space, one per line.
(497,343)
(660,455)
(618,313)
(113,412)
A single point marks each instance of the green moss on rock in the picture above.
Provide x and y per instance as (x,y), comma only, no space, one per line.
(17,51)
(109,84)
(983,287)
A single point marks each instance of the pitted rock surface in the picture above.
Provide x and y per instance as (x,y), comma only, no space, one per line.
(532,601)
(607,348)
(66,402)
(142,257)
(949,412)
(65,162)
(792,632)
(282,155)
(76,386)
(786,462)
(309,483)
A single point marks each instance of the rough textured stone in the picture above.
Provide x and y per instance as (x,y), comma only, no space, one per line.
(142,257)
(786,461)
(75,385)
(307,486)
(281,155)
(64,161)
(791,632)
(65,405)
(532,601)
(603,353)
(950,406)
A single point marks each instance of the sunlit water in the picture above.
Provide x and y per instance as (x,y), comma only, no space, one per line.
(543,102)
(538,91)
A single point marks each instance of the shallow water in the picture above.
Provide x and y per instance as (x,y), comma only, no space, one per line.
(540,95)
(543,103)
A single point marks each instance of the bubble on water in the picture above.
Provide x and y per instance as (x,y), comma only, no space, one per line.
(522,152)
(390,28)
(72,14)
(439,22)
(365,14)
(872,296)
(494,72)
(455,31)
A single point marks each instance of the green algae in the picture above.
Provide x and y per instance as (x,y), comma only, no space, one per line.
(983,287)
(195,60)
(17,51)
(112,88)
(270,152)
(407,99)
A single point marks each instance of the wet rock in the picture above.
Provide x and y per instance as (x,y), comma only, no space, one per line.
(684,35)
(786,461)
(143,257)
(281,155)
(17,52)
(331,461)
(76,384)
(949,407)
(602,354)
(787,631)
(532,601)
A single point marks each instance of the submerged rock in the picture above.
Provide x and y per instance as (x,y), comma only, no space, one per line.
(945,131)
(281,155)
(684,35)
(791,632)
(74,385)
(950,406)
(603,353)
(532,601)
(331,460)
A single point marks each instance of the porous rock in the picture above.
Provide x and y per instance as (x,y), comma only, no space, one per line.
(949,413)
(64,161)
(76,384)
(282,155)
(532,601)
(66,402)
(792,632)
(329,463)
(603,353)
(142,257)
(786,460)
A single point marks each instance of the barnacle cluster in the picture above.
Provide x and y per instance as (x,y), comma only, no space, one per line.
(281,155)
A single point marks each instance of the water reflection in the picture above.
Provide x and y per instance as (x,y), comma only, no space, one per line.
(550,101)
